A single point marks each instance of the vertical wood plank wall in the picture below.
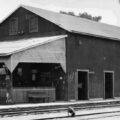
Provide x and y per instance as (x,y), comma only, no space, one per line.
(20,94)
(2,95)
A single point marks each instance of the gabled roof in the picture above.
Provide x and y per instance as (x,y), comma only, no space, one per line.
(10,47)
(77,24)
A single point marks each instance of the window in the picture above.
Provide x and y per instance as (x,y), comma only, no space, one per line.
(33,77)
(34,72)
(33,24)
(19,71)
(13,26)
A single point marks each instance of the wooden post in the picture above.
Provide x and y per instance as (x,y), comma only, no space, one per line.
(8,79)
(8,89)
(76,85)
(66,87)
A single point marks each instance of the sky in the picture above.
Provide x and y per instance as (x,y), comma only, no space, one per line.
(108,9)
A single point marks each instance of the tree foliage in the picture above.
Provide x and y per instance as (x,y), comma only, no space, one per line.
(83,15)
(90,17)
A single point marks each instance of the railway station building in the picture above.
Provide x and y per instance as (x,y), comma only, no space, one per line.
(47,57)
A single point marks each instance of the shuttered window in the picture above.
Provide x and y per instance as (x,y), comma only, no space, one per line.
(33,24)
(13,26)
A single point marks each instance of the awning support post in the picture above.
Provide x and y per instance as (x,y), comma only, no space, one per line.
(8,79)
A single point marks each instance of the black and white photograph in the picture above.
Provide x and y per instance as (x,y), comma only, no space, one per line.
(59,59)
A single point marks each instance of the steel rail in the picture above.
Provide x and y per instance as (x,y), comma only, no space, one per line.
(90,114)
(14,112)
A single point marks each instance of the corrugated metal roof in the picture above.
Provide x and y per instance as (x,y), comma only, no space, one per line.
(77,24)
(10,47)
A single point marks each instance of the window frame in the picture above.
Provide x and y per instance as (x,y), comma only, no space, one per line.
(33,27)
(13,26)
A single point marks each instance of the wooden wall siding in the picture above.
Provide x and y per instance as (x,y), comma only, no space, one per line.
(71,86)
(94,54)
(76,85)
(20,95)
(96,85)
(117,83)
(2,95)
(45,28)
(2,92)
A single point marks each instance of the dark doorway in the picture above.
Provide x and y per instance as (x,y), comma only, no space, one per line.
(108,85)
(82,85)
(41,75)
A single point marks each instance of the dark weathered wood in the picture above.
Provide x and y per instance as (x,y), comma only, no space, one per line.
(45,28)
(96,55)
(37,96)
(9,89)
(20,95)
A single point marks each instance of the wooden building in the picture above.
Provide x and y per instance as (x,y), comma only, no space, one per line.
(47,56)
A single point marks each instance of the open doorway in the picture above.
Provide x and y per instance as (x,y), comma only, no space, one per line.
(46,76)
(109,84)
(83,85)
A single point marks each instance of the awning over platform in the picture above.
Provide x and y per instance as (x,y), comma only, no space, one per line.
(34,50)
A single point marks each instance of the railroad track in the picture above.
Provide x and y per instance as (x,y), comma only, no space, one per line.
(92,116)
(38,110)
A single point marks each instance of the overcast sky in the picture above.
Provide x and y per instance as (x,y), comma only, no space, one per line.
(108,9)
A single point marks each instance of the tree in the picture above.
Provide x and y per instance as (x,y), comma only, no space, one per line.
(71,13)
(63,12)
(83,15)
(90,17)
(68,13)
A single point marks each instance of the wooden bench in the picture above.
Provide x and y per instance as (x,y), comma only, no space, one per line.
(36,96)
